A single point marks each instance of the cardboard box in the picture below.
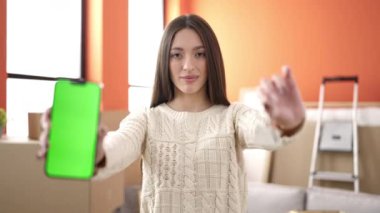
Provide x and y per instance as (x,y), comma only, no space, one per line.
(24,187)
(34,125)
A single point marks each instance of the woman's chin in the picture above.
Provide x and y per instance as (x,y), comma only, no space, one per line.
(189,91)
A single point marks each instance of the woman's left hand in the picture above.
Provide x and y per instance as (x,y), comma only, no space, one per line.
(282,101)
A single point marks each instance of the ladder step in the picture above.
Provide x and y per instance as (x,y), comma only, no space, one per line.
(334,176)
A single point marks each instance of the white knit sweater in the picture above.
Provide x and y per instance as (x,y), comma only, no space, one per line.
(192,161)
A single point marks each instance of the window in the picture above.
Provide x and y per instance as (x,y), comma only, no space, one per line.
(44,42)
(35,96)
(145,28)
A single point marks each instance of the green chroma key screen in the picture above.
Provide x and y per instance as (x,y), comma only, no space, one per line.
(73,132)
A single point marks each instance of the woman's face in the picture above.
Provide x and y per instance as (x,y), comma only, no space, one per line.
(188,63)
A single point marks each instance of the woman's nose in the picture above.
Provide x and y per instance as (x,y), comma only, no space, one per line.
(188,63)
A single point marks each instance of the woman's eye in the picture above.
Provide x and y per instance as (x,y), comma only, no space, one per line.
(200,55)
(175,55)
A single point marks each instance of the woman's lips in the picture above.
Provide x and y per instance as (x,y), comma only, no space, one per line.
(189,78)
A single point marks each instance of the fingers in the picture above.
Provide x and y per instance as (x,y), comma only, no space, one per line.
(284,83)
(45,119)
(282,100)
(100,155)
(287,76)
(266,90)
(285,70)
(44,136)
(272,88)
(102,132)
(44,145)
(279,84)
(278,87)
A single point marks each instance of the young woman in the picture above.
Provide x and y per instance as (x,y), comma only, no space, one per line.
(191,139)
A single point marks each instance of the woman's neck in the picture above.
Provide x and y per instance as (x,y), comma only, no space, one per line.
(190,103)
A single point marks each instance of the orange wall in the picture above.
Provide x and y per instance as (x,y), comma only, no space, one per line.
(316,38)
(115,54)
(107,57)
(2,53)
(94,41)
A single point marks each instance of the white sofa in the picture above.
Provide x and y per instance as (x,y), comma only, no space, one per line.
(274,198)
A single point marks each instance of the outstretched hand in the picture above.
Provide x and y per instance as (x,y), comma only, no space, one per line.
(282,101)
(44,138)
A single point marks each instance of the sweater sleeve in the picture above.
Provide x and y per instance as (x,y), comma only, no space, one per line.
(123,146)
(253,129)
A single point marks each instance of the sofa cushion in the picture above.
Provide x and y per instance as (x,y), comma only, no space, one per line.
(319,198)
(264,198)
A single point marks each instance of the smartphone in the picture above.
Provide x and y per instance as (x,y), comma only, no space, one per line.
(73,131)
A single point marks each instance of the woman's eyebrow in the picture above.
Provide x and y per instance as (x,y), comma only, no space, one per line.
(176,49)
(181,49)
(199,47)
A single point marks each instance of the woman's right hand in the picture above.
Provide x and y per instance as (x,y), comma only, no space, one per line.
(44,139)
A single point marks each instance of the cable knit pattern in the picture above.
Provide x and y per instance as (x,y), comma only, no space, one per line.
(192,162)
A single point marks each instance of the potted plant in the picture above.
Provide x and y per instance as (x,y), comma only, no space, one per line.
(3,120)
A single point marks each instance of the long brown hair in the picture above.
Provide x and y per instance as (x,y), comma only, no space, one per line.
(163,89)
